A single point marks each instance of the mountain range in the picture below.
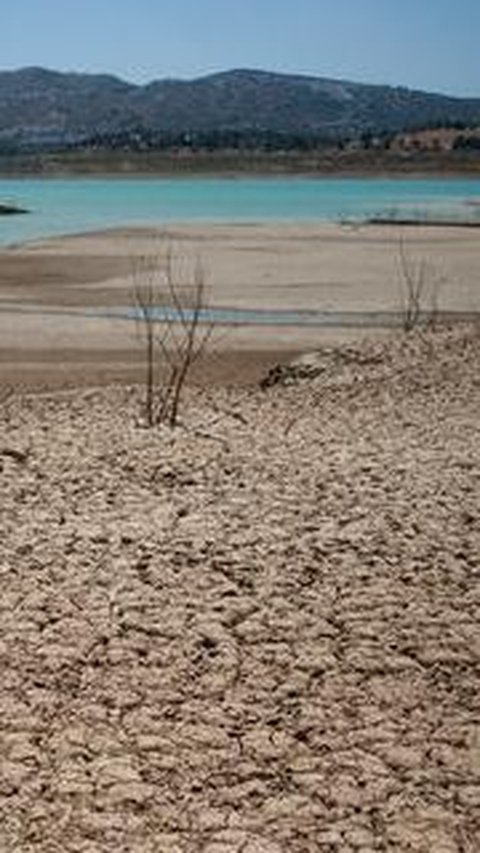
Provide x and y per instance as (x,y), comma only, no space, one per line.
(41,108)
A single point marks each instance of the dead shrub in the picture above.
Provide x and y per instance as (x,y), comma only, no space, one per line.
(169,297)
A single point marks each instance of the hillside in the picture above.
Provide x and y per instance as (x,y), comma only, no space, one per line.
(43,109)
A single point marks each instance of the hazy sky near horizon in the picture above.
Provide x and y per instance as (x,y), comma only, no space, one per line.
(424,44)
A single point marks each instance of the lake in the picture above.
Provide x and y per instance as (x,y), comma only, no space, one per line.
(70,205)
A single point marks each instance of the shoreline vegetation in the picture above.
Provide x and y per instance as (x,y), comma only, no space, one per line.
(322,163)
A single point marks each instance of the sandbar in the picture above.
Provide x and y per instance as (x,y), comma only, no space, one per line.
(58,296)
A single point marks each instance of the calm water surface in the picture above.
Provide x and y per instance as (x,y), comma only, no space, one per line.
(65,206)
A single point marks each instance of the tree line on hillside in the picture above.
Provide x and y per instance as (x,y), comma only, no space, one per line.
(138,139)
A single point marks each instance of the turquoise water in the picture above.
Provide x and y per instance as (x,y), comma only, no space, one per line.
(63,206)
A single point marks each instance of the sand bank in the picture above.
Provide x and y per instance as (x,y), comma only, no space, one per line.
(50,290)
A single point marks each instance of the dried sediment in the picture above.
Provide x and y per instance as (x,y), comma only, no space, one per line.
(259,632)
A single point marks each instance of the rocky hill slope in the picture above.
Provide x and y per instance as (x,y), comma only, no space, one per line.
(43,108)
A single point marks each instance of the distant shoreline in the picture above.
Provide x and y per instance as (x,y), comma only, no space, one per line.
(234,164)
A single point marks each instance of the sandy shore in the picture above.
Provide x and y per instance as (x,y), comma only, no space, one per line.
(258,632)
(50,290)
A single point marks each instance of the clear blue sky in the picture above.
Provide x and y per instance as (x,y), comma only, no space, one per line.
(426,44)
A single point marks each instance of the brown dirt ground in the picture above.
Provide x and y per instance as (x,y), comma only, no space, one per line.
(258,632)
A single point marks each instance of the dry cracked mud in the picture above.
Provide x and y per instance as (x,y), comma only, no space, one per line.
(258,633)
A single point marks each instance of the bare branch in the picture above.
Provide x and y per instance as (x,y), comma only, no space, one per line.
(170,311)
(418,291)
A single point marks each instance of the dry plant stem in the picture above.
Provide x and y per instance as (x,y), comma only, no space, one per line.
(173,341)
(413,287)
(419,292)
(144,302)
